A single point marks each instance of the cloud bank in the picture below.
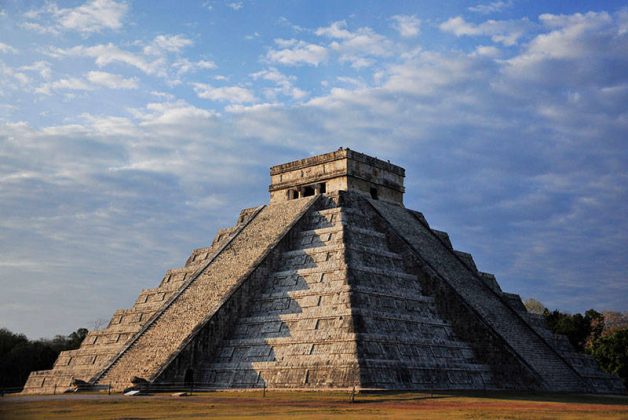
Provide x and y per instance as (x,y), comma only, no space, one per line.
(515,144)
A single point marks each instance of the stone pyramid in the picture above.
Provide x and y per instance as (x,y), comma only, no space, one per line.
(334,284)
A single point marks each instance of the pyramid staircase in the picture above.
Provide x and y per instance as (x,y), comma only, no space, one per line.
(338,308)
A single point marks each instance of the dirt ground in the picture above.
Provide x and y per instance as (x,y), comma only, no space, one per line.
(315,405)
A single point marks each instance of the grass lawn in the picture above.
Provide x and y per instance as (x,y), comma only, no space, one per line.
(318,405)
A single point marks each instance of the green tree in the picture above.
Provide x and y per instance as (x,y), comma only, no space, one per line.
(19,356)
(581,330)
(611,353)
(596,326)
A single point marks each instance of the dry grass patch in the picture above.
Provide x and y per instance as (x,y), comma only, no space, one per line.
(315,405)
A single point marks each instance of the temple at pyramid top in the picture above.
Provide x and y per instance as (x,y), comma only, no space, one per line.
(342,170)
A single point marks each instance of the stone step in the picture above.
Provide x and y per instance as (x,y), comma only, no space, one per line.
(200,255)
(312,251)
(450,365)
(307,308)
(294,337)
(149,307)
(103,338)
(406,307)
(322,280)
(132,317)
(156,295)
(382,272)
(48,382)
(321,239)
(320,231)
(340,337)
(395,316)
(373,257)
(322,218)
(312,375)
(261,319)
(315,323)
(366,237)
(122,329)
(399,294)
(271,361)
(365,231)
(393,339)
(314,290)
(304,272)
(382,253)
(319,295)
(328,256)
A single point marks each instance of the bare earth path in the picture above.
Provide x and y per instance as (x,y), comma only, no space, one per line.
(323,405)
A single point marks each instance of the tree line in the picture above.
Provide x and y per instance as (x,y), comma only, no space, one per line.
(603,335)
(19,355)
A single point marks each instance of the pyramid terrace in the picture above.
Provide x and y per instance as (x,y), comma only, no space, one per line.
(333,284)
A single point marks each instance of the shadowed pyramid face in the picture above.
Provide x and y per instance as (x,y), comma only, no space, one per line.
(332,285)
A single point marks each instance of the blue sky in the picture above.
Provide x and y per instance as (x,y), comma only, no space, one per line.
(131,131)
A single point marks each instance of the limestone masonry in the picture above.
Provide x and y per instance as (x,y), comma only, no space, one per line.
(334,284)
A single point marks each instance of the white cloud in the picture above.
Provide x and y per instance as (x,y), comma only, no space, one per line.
(172,116)
(292,52)
(4,48)
(284,84)
(90,17)
(10,76)
(295,28)
(272,75)
(37,27)
(359,47)
(236,5)
(205,64)
(160,57)
(537,167)
(354,83)
(105,54)
(337,29)
(561,53)
(112,81)
(493,7)
(93,16)
(64,84)
(407,26)
(41,67)
(486,51)
(231,94)
(112,126)
(501,31)
(183,65)
(459,27)
(163,95)
(167,43)
(33,13)
(92,80)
